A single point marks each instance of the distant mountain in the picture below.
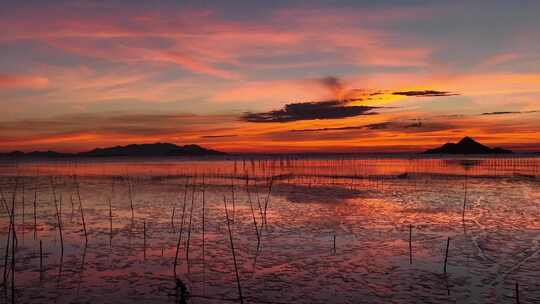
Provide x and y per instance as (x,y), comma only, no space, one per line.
(35,154)
(466,145)
(157,149)
(134,150)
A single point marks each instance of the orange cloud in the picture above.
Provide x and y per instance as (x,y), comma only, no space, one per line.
(22,82)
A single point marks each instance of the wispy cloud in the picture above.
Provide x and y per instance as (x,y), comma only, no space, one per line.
(391,126)
(425,93)
(219,136)
(508,112)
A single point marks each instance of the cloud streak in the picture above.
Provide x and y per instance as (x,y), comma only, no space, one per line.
(425,93)
(391,126)
(508,112)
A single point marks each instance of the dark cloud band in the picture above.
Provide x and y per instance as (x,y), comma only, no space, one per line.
(332,109)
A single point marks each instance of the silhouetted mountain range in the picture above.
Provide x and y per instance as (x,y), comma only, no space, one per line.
(134,150)
(466,145)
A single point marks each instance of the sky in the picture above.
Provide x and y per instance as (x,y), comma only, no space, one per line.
(269,76)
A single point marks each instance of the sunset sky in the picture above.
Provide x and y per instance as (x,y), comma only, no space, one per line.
(269,76)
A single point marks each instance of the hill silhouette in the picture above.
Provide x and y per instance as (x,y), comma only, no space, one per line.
(133,150)
(466,145)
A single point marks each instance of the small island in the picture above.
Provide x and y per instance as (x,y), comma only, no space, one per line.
(466,145)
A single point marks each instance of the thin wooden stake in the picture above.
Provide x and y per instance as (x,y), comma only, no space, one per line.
(72,207)
(203,218)
(172,218)
(40,259)
(110,223)
(13,244)
(13,263)
(253,214)
(189,225)
(233,200)
(410,244)
(181,229)
(267,200)
(53,187)
(35,215)
(82,214)
(131,199)
(446,255)
(464,201)
(233,253)
(334,242)
(6,256)
(23,212)
(144,238)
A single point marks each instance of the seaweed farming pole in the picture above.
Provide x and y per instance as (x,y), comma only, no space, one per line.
(268,199)
(334,242)
(6,256)
(82,212)
(13,243)
(233,253)
(517,292)
(23,203)
(233,200)
(130,194)
(181,228)
(15,240)
(35,215)
(259,202)
(253,213)
(203,218)
(144,238)
(40,259)
(190,220)
(172,217)
(410,244)
(446,254)
(464,200)
(110,223)
(53,187)
(72,207)
(13,257)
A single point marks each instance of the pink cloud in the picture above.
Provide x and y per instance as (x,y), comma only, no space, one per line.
(203,43)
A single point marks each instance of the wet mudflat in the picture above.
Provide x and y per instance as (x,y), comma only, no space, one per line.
(303,231)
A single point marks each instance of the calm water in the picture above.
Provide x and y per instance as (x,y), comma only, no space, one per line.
(299,207)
